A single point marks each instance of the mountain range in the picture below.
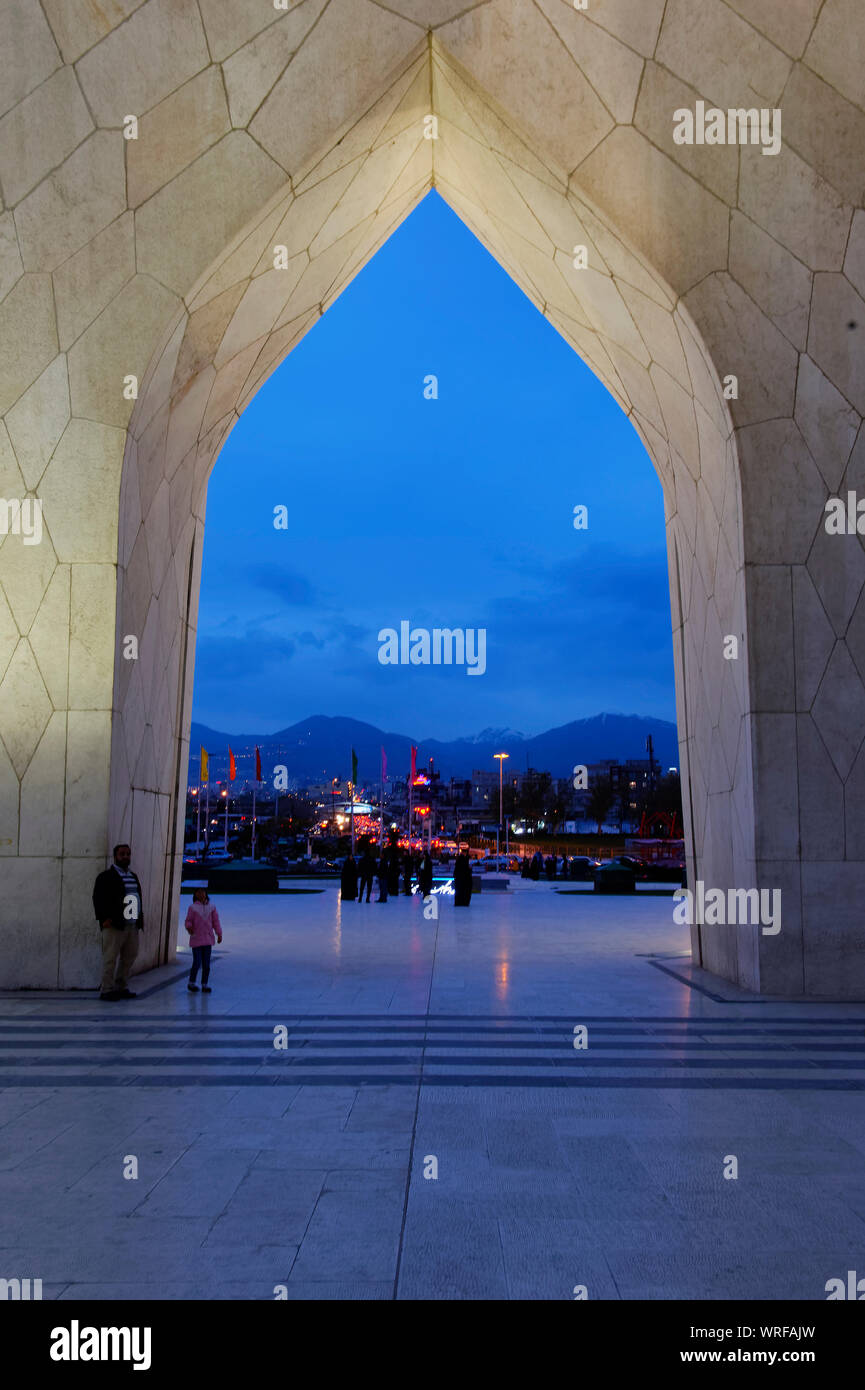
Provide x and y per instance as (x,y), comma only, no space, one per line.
(319,748)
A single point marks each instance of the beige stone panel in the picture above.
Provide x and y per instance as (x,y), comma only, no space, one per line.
(770,638)
(30,911)
(254,69)
(839,710)
(657,330)
(678,412)
(157,385)
(826,131)
(788,23)
(775,463)
(235,268)
(589,346)
(828,423)
(356,136)
(185,226)
(412,185)
(470,167)
(259,309)
(320,274)
(38,419)
(854,261)
(89,280)
(92,636)
(613,69)
(227,388)
(448,103)
(228,27)
(834,344)
(28,336)
(79,24)
(837,566)
(73,204)
(432,13)
(204,332)
(118,344)
(41,806)
(307,214)
(87,760)
(813,635)
(175,133)
(705,386)
(25,573)
(159,48)
(79,957)
(28,53)
(24,707)
(674,222)
(496,124)
(636,25)
(158,532)
(277,347)
(187,413)
(40,132)
(350,53)
(557,107)
(11,265)
(774,278)
(80,491)
(555,213)
(179,509)
(9,815)
(716,167)
(795,206)
(619,257)
(369,189)
(150,457)
(745,343)
(638,385)
(728,62)
(9,634)
(49,637)
(836,48)
(606,310)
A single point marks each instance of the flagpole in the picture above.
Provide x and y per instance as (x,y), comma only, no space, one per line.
(381,808)
(227,798)
(410,780)
(253,821)
(198,814)
(351,813)
(207,814)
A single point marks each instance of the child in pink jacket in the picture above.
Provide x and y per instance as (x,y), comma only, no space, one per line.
(204,926)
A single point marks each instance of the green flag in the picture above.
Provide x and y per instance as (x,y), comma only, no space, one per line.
(353,768)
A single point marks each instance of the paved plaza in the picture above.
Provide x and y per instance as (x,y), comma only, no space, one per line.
(411,1040)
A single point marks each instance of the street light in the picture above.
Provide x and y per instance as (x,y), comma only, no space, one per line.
(501,757)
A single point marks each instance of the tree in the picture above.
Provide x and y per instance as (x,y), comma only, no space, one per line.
(534,795)
(601,798)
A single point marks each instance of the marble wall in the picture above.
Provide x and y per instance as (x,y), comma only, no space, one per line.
(308,129)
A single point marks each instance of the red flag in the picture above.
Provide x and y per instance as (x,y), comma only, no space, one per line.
(232,766)
(257,766)
(413,762)
(383,765)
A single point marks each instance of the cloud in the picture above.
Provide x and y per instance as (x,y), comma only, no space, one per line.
(292,588)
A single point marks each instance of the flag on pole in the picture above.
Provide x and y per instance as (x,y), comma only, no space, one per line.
(257,765)
(353,768)
(383,765)
(204,773)
(413,762)
(232,766)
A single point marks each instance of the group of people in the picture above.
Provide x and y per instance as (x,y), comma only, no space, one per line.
(118,906)
(552,867)
(393,865)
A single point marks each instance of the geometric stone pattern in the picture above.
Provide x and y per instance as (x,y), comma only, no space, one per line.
(154,258)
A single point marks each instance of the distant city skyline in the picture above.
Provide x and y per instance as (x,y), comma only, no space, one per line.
(403,508)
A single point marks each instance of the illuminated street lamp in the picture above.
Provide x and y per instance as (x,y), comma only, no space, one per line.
(501,757)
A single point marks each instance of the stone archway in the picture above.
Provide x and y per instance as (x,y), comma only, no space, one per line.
(308,132)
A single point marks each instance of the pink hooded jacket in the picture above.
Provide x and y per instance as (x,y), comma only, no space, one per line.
(203,924)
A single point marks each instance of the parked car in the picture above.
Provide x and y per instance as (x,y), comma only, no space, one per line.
(615,876)
(582,868)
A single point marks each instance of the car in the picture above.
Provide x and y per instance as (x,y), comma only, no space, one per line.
(615,876)
(581,867)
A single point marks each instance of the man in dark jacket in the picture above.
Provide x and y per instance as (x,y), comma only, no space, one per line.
(117,904)
(366,873)
(462,880)
(348,880)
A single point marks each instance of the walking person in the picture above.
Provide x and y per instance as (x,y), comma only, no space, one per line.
(391,858)
(407,871)
(366,874)
(204,927)
(383,876)
(348,881)
(425,875)
(462,880)
(117,904)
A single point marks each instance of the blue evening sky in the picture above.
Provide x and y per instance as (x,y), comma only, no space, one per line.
(456,512)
